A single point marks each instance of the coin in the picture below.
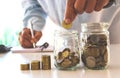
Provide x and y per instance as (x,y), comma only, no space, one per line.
(66,26)
(93,39)
(106,57)
(90,62)
(75,60)
(92,51)
(65,53)
(66,63)
(102,50)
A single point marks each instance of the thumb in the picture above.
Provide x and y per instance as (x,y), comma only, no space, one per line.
(70,13)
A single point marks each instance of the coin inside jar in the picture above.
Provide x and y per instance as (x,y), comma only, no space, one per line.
(90,62)
(66,52)
(93,39)
(66,63)
(106,57)
(67,59)
(92,51)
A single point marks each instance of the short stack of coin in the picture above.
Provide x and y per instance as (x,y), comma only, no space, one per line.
(25,66)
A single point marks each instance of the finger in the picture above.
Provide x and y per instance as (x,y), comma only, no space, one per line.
(70,13)
(100,4)
(90,5)
(25,43)
(26,35)
(79,6)
(27,30)
(25,38)
(19,35)
(38,35)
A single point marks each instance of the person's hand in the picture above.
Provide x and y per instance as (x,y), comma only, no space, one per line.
(75,7)
(26,40)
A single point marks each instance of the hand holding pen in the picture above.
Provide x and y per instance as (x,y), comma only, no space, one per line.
(25,37)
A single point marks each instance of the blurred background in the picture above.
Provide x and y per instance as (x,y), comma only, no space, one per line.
(11,16)
(10,21)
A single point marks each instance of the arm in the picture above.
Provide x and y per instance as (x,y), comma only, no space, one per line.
(33,11)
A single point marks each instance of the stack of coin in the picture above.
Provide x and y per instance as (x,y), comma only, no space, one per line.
(95,51)
(46,62)
(35,65)
(25,66)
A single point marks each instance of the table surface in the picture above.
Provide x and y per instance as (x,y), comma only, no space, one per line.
(10,67)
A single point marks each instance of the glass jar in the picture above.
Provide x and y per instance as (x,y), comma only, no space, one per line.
(66,50)
(95,45)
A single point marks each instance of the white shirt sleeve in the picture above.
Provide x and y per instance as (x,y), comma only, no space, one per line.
(33,10)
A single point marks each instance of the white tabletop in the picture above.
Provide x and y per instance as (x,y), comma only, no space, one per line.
(10,67)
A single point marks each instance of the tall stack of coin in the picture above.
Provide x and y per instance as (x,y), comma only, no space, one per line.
(35,65)
(46,62)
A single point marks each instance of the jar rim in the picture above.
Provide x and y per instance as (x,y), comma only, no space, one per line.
(66,32)
(94,26)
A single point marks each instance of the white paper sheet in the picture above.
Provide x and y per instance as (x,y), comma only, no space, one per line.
(19,49)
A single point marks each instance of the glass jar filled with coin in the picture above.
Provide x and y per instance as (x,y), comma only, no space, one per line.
(66,50)
(95,45)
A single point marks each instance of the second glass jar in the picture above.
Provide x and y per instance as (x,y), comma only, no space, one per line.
(66,50)
(95,45)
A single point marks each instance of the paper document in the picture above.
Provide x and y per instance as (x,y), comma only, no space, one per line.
(19,49)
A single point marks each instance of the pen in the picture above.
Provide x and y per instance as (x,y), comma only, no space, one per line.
(32,34)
